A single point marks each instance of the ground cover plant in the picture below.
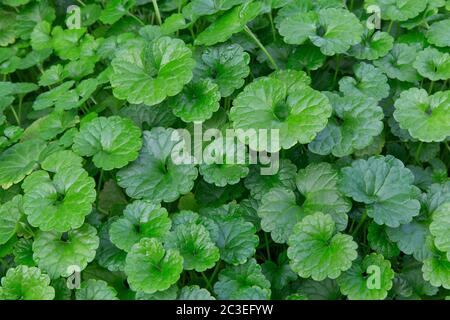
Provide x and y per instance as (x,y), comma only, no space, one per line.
(94,206)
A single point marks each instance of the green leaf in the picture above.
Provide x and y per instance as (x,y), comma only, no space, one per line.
(316,250)
(197,101)
(95,290)
(225,64)
(154,176)
(333,30)
(150,268)
(279,275)
(411,239)
(368,82)
(373,45)
(10,214)
(113,142)
(426,118)
(398,63)
(148,74)
(194,293)
(358,121)
(228,24)
(108,255)
(440,228)
(23,252)
(369,279)
(438,35)
(40,37)
(57,253)
(385,186)
(259,184)
(398,10)
(235,237)
(279,213)
(116,9)
(19,161)
(380,242)
(269,103)
(433,64)
(242,281)
(141,219)
(194,243)
(436,268)
(61,202)
(207,7)
(26,283)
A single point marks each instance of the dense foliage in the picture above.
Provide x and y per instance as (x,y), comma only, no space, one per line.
(88,184)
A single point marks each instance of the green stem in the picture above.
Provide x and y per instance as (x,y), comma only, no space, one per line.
(444,85)
(430,89)
(390,26)
(272,26)
(216,270)
(418,151)
(20,106)
(136,18)
(447,146)
(15,115)
(99,182)
(361,222)
(208,283)
(267,246)
(338,60)
(158,15)
(81,2)
(351,5)
(261,46)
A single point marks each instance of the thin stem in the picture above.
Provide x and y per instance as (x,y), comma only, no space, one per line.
(208,283)
(99,182)
(272,26)
(216,270)
(261,46)
(338,60)
(351,5)
(444,85)
(430,89)
(447,146)
(81,2)
(361,222)
(418,151)
(15,115)
(20,106)
(136,18)
(267,246)
(158,15)
(390,26)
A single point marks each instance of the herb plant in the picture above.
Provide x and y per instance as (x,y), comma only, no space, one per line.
(94,206)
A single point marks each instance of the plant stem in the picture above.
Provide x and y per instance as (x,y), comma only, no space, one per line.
(444,85)
(216,270)
(20,106)
(447,146)
(261,46)
(430,89)
(81,2)
(99,182)
(15,115)
(208,283)
(136,18)
(418,151)
(361,222)
(272,26)
(390,26)
(267,246)
(338,60)
(158,15)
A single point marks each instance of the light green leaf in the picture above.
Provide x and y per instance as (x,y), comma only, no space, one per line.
(148,74)
(385,186)
(426,118)
(57,253)
(26,283)
(359,282)
(154,176)
(151,268)
(141,219)
(316,250)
